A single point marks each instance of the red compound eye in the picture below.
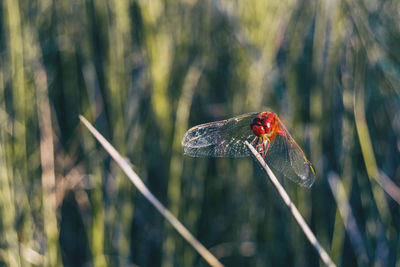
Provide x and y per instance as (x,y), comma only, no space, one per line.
(258,130)
(257,127)
(267,124)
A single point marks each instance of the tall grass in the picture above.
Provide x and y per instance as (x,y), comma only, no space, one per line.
(144,72)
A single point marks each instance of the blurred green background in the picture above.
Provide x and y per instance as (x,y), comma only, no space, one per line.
(144,72)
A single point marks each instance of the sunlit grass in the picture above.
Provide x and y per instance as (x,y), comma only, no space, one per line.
(144,72)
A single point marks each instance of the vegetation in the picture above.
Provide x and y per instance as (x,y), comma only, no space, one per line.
(143,72)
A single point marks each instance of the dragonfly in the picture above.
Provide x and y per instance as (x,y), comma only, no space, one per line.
(264,130)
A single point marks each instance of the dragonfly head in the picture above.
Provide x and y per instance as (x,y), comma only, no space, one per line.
(262,125)
(257,127)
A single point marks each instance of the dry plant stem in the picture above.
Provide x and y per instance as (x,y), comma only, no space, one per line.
(296,214)
(210,258)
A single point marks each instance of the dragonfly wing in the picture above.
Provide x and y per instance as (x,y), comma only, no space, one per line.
(285,156)
(221,138)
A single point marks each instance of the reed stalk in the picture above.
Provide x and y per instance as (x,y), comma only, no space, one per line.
(292,208)
(135,179)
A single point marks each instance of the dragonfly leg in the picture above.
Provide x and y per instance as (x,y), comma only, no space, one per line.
(265,149)
(255,138)
(258,145)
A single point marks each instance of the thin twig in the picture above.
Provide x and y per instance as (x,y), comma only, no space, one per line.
(125,166)
(296,214)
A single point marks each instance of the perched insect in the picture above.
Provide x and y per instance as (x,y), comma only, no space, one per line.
(262,129)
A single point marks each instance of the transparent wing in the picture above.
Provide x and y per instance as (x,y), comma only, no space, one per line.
(221,138)
(286,157)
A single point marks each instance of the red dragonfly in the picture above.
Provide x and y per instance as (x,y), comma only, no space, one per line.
(262,129)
